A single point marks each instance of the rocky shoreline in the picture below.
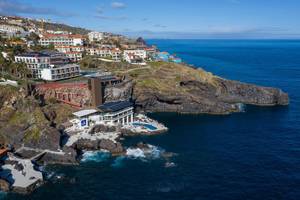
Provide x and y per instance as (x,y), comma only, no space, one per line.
(203,98)
(28,120)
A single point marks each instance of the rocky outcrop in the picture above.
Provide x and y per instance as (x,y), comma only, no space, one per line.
(102,128)
(49,139)
(122,91)
(114,148)
(25,121)
(4,185)
(216,96)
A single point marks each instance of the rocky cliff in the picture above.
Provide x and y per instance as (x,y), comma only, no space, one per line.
(27,120)
(159,87)
(169,87)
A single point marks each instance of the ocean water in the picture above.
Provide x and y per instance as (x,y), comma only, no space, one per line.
(249,155)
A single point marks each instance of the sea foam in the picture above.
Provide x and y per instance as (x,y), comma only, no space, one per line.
(95,156)
(149,152)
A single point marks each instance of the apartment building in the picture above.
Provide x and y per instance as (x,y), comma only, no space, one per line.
(102,52)
(12,30)
(60,72)
(95,36)
(61,39)
(74,53)
(74,56)
(35,62)
(65,49)
(47,65)
(137,56)
(141,53)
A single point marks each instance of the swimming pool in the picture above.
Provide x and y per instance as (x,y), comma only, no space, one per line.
(148,126)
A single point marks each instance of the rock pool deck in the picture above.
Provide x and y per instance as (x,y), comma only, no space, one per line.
(76,135)
(22,179)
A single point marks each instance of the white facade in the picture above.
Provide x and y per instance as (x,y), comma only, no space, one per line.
(61,39)
(95,36)
(74,56)
(122,117)
(61,72)
(65,49)
(35,63)
(12,30)
(138,52)
(116,54)
(88,118)
(102,52)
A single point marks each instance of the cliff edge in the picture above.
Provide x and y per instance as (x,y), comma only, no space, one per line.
(170,87)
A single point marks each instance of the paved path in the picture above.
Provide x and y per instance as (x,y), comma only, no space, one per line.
(41,152)
(134,69)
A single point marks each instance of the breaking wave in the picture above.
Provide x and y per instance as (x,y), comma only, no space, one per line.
(241,107)
(135,153)
(95,156)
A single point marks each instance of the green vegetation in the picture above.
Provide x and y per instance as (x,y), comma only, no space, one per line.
(61,27)
(18,118)
(32,134)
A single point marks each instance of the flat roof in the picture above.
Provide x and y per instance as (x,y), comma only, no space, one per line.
(86,112)
(115,106)
(33,54)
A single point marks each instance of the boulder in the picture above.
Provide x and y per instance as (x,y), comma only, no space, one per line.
(114,148)
(49,138)
(4,185)
(84,144)
(102,128)
(19,167)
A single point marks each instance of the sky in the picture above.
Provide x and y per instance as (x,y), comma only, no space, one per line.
(180,19)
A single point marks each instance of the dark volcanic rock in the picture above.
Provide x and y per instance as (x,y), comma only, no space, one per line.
(236,92)
(19,167)
(84,144)
(222,97)
(102,128)
(49,139)
(114,148)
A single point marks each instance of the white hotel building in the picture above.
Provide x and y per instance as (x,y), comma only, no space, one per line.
(74,53)
(61,39)
(60,72)
(137,54)
(35,62)
(50,66)
(12,30)
(95,36)
(112,113)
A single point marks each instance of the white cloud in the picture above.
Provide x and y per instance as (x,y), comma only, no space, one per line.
(118,5)
(14,7)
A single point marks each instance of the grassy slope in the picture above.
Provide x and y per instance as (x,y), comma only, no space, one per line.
(161,77)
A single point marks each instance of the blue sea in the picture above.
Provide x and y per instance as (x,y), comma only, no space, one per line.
(249,155)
